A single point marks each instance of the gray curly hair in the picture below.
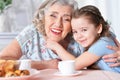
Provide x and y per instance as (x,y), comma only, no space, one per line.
(38,19)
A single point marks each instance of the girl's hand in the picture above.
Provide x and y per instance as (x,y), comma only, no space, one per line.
(55,46)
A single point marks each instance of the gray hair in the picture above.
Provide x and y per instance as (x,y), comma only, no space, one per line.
(38,20)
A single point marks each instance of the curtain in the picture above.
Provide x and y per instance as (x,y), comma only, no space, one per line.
(18,15)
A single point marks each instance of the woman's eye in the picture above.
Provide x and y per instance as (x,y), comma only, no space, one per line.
(67,19)
(52,15)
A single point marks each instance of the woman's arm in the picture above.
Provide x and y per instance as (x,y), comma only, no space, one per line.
(12,51)
(115,57)
(45,64)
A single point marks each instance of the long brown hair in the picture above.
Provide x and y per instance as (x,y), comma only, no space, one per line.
(94,15)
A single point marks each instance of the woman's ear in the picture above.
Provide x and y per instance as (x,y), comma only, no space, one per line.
(99,28)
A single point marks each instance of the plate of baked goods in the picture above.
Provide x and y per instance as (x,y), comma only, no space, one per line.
(9,70)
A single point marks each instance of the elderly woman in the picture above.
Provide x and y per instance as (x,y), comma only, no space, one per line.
(52,21)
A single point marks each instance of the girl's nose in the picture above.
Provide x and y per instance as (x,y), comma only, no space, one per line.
(79,35)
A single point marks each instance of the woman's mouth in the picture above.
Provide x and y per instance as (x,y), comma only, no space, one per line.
(56,31)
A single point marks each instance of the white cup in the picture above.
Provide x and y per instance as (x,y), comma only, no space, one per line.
(25,64)
(67,67)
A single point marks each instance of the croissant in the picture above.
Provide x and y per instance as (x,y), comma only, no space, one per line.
(8,69)
(22,72)
(10,74)
(2,72)
(9,66)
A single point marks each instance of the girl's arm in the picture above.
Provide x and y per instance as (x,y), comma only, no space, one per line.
(58,49)
(85,59)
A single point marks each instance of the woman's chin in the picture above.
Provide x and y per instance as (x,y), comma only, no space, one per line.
(54,39)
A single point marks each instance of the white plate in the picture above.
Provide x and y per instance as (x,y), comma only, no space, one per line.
(75,74)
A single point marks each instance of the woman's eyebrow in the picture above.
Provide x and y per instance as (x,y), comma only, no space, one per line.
(54,12)
(66,14)
(69,15)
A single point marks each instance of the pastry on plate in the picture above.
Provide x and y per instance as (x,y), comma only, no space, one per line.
(2,72)
(22,72)
(10,74)
(9,66)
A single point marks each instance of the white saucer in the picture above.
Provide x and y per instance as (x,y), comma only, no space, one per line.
(33,71)
(75,74)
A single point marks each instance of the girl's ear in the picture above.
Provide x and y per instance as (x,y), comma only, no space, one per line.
(99,28)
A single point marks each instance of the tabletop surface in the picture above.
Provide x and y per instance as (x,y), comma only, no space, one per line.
(49,74)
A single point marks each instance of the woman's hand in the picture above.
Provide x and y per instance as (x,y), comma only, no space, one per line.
(45,64)
(115,57)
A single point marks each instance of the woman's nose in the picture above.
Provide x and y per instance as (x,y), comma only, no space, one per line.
(58,23)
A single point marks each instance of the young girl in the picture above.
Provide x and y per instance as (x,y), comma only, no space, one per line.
(92,32)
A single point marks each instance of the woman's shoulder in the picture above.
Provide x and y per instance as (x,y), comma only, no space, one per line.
(29,29)
(27,34)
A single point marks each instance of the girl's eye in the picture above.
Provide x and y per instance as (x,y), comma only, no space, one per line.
(83,30)
(74,32)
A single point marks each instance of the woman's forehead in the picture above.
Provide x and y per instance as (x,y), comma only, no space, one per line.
(56,8)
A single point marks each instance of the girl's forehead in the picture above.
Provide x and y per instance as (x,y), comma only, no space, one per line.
(81,22)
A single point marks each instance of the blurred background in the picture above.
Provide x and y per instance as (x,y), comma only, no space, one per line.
(17,14)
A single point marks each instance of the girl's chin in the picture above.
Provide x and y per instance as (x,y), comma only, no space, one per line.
(84,46)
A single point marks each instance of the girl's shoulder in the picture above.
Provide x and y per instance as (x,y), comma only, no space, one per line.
(106,40)
(100,46)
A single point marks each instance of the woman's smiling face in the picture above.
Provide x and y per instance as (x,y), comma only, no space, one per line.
(58,22)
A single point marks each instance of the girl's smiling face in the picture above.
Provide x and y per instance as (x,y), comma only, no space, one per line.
(84,32)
